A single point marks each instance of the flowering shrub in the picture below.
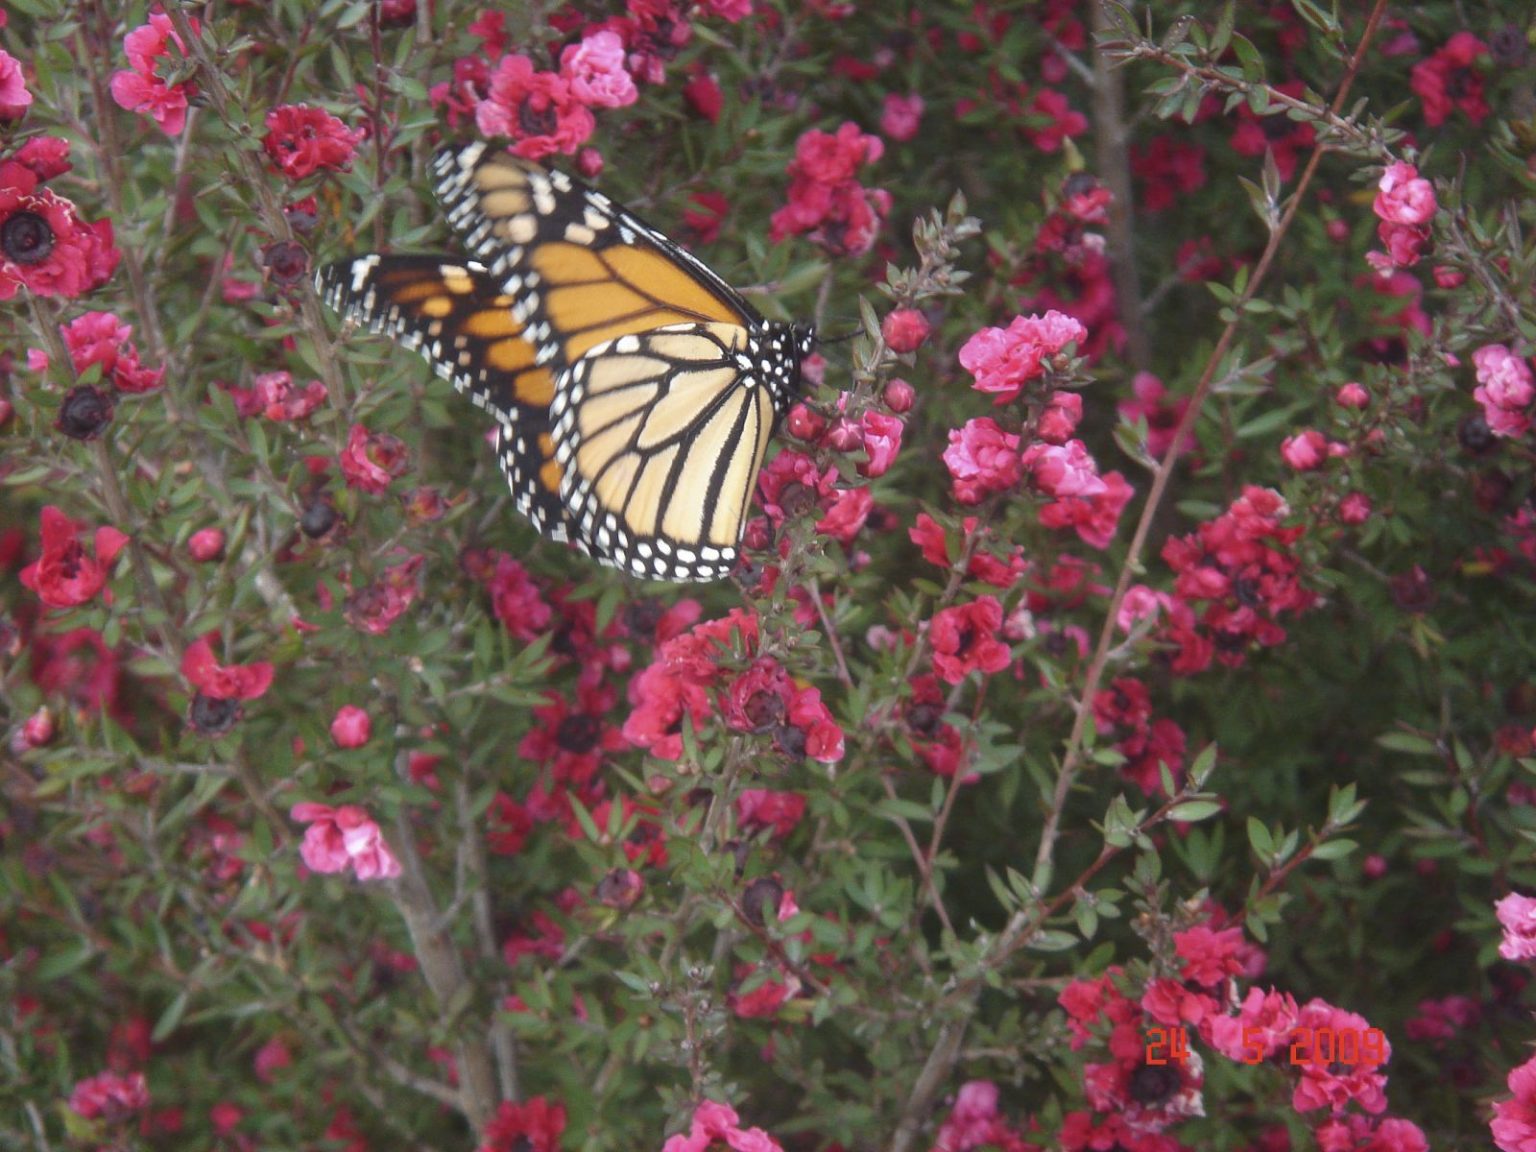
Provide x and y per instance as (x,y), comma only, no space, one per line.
(1118,735)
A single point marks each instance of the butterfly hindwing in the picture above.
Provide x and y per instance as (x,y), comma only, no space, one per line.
(454,314)
(659,444)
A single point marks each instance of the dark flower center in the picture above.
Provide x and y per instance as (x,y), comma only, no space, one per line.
(84,412)
(763,710)
(537,121)
(26,238)
(578,733)
(213,717)
(1153,1085)
(318,519)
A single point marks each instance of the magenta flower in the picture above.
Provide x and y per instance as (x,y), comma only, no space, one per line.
(595,71)
(1517,915)
(718,1123)
(1003,360)
(141,89)
(342,838)
(14,97)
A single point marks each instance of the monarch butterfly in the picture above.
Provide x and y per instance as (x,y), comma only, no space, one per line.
(634,390)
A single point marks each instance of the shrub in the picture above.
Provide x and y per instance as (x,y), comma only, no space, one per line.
(1116,734)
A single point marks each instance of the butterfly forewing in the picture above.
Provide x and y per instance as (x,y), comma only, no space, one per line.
(455,315)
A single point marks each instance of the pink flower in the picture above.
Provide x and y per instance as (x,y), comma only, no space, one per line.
(1004,360)
(1352,395)
(14,97)
(901,116)
(595,71)
(1305,451)
(351,727)
(982,459)
(849,510)
(1404,197)
(206,544)
(301,140)
(881,440)
(731,11)
(1505,390)
(717,1123)
(339,838)
(1141,603)
(1517,915)
(142,90)
(1514,1121)
(1063,470)
(1162,415)
(536,110)
(1355,508)
(109,1096)
(65,575)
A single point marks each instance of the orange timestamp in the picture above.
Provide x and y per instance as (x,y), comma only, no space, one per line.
(1309,1047)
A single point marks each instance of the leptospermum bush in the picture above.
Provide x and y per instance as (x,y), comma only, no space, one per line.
(1114,740)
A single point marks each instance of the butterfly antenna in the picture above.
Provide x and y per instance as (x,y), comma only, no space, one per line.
(842,339)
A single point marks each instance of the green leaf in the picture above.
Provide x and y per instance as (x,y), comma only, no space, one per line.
(1193,811)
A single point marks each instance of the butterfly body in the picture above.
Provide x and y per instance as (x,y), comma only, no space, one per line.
(635,391)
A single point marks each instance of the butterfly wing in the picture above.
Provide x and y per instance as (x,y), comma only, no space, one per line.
(455,315)
(667,382)
(581,269)
(659,438)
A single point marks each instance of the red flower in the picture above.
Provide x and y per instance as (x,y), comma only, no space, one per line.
(702,92)
(374,608)
(1450,79)
(779,812)
(904,329)
(66,575)
(44,245)
(516,599)
(507,825)
(849,510)
(302,140)
(1095,517)
(536,110)
(532,1126)
(372,459)
(573,740)
(1286,139)
(825,199)
(223,682)
(964,640)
